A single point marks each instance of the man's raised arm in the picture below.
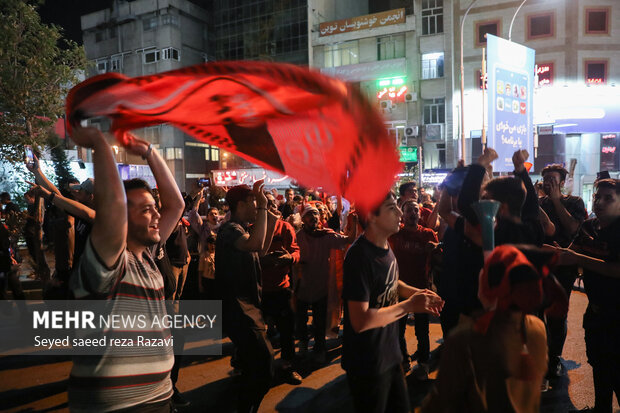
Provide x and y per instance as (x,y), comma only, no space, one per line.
(70,206)
(109,233)
(172,203)
(39,176)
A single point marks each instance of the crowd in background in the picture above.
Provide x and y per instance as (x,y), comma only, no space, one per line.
(274,259)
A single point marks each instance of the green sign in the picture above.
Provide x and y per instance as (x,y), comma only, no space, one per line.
(395,81)
(408,153)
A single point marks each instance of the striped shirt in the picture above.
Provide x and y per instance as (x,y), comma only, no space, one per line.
(131,376)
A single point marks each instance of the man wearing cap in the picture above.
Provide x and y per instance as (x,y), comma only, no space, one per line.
(238,279)
(315,245)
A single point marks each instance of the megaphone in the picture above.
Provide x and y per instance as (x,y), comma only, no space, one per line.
(486,210)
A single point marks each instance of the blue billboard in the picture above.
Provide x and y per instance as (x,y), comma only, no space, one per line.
(510,79)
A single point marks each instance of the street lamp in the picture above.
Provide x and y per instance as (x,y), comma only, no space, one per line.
(513,20)
(463,84)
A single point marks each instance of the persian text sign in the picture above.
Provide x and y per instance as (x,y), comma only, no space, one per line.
(510,71)
(369,21)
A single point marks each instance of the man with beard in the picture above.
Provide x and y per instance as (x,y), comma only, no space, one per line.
(567,213)
(117,262)
(315,245)
(371,353)
(288,207)
(412,246)
(598,246)
(238,279)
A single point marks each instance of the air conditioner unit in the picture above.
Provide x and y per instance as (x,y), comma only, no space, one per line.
(411,97)
(386,104)
(434,132)
(411,131)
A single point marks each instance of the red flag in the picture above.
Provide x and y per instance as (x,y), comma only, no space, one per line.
(313,128)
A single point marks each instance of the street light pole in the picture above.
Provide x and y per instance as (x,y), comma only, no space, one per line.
(463,84)
(513,20)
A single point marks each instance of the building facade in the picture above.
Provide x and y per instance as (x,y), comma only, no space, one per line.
(577,92)
(397,53)
(143,37)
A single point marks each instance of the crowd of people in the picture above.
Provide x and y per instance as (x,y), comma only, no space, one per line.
(275,259)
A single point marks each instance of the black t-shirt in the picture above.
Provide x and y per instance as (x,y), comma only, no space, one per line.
(511,232)
(370,274)
(574,205)
(603,243)
(176,246)
(5,249)
(238,277)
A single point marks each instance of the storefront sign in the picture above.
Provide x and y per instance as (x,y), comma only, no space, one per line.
(545,130)
(544,74)
(368,71)
(610,154)
(137,171)
(232,177)
(433,178)
(369,21)
(408,153)
(511,85)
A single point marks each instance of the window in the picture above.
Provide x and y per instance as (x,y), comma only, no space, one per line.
(597,20)
(432,16)
(152,56)
(174,153)
(541,25)
(342,54)
(596,72)
(434,111)
(149,23)
(215,154)
(116,63)
(544,72)
(170,53)
(100,35)
(432,65)
(102,66)
(391,47)
(482,28)
(171,19)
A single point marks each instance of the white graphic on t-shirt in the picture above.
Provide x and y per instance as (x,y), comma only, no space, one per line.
(389,295)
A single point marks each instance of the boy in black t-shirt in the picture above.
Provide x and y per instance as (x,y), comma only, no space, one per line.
(371,351)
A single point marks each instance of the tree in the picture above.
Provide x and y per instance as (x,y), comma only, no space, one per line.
(62,169)
(37,66)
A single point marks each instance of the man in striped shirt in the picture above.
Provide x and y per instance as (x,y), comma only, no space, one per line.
(117,263)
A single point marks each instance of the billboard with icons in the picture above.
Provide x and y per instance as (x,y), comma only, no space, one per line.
(510,76)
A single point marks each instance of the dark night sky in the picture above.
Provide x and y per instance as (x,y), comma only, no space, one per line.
(66,13)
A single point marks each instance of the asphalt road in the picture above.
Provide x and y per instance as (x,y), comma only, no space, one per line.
(38,384)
